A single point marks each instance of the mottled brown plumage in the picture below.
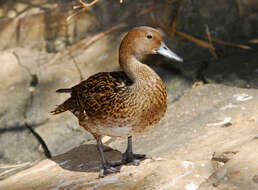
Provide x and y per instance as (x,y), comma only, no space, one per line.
(125,102)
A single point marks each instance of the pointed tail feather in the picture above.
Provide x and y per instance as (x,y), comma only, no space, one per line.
(64,90)
(70,104)
(59,109)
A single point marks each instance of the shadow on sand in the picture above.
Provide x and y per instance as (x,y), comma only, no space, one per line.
(85,158)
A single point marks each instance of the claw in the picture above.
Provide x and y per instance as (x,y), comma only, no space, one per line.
(133,158)
(129,158)
(107,170)
(136,162)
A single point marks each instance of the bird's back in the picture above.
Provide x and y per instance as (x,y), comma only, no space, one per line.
(96,95)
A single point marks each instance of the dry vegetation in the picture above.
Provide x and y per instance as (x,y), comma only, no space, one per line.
(168,24)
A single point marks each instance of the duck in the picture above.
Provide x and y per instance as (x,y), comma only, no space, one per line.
(122,103)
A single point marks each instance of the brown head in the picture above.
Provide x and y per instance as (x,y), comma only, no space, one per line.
(144,40)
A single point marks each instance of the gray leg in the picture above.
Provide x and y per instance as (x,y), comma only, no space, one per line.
(129,156)
(106,167)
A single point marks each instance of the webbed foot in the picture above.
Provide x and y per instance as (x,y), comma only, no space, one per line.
(129,158)
(107,169)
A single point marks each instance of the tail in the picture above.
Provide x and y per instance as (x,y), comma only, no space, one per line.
(64,90)
(69,105)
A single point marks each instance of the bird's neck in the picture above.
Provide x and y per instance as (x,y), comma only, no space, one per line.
(138,72)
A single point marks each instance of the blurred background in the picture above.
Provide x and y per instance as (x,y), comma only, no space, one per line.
(51,44)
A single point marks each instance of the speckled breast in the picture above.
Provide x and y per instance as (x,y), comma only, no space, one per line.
(155,104)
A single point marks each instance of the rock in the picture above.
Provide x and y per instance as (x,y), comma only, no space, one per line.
(233,18)
(20,7)
(15,98)
(240,172)
(233,23)
(47,26)
(19,102)
(11,14)
(35,102)
(10,68)
(227,70)
(182,146)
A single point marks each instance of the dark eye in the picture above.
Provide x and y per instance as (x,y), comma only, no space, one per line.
(149,36)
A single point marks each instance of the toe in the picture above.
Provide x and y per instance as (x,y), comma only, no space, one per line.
(136,162)
(105,171)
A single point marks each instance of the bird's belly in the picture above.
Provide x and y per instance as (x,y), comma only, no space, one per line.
(113,131)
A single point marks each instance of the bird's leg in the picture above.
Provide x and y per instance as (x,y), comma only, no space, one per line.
(129,156)
(106,167)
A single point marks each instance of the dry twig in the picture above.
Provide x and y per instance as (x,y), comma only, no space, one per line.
(254,41)
(81,8)
(148,10)
(232,44)
(240,7)
(76,13)
(194,40)
(175,17)
(171,31)
(86,42)
(212,50)
(88,4)
(77,67)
